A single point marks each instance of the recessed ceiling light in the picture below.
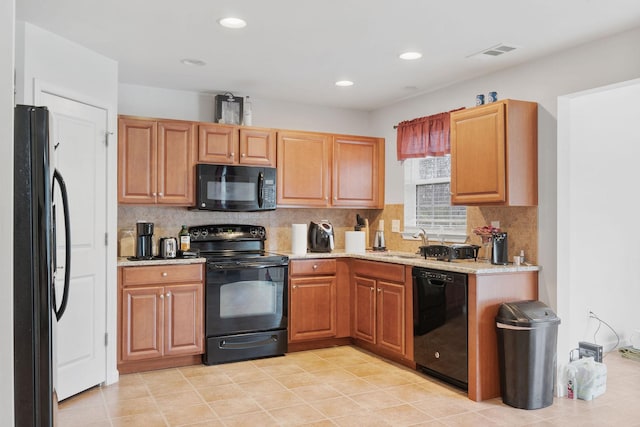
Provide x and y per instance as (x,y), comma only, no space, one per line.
(344,83)
(410,55)
(193,62)
(234,23)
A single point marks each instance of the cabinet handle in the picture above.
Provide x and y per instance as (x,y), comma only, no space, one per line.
(295,286)
(160,194)
(379,290)
(165,274)
(243,155)
(168,294)
(154,194)
(232,154)
(161,296)
(315,266)
(371,288)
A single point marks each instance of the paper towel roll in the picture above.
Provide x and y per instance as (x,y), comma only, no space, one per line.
(299,239)
(354,242)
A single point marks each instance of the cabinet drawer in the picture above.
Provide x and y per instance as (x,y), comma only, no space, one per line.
(162,274)
(379,270)
(312,266)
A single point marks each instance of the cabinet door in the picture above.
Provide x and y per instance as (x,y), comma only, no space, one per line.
(364,313)
(218,144)
(358,172)
(304,165)
(176,160)
(258,147)
(142,323)
(313,308)
(390,316)
(478,163)
(137,161)
(184,332)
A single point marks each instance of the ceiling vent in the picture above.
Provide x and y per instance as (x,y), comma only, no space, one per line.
(496,50)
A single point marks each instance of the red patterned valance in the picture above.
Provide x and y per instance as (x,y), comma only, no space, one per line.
(425,136)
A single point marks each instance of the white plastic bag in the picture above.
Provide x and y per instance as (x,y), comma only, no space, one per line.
(588,377)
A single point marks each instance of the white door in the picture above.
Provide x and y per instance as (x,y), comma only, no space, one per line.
(77,135)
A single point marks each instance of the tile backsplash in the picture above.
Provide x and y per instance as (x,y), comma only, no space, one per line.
(521,224)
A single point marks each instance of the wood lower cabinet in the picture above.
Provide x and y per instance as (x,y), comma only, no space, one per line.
(156,161)
(318,300)
(160,316)
(227,144)
(382,307)
(324,170)
(494,154)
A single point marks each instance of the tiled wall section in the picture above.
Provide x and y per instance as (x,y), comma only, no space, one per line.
(520,222)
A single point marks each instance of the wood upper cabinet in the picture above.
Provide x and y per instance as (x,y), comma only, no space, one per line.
(323,170)
(226,144)
(380,306)
(312,299)
(494,154)
(358,172)
(160,312)
(156,161)
(304,169)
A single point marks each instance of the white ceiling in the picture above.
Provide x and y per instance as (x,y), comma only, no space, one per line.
(294,50)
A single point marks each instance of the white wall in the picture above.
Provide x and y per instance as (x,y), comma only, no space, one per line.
(599,63)
(83,75)
(165,103)
(7,21)
(598,152)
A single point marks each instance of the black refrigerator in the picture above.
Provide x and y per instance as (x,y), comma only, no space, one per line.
(35,306)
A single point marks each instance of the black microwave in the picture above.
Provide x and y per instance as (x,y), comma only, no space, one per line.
(235,188)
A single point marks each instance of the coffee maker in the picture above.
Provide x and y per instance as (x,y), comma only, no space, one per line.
(500,249)
(144,240)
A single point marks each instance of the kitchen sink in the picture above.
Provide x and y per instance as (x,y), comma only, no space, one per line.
(398,255)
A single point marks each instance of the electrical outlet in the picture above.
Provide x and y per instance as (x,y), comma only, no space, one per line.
(495,224)
(586,349)
(395,225)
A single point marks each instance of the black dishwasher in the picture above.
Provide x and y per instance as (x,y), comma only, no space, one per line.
(440,324)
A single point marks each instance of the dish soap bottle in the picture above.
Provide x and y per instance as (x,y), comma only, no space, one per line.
(185,239)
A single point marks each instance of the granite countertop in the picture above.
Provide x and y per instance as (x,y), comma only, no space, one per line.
(407,258)
(125,262)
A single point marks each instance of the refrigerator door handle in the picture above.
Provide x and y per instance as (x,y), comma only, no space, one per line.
(67,243)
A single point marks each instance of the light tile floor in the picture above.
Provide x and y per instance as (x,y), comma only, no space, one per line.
(341,386)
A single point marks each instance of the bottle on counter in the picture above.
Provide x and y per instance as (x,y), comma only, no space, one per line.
(185,239)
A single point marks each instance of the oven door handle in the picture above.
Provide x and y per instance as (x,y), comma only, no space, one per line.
(252,344)
(216,267)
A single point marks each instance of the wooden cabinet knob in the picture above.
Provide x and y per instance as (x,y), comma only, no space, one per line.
(168,294)
(243,155)
(315,266)
(295,286)
(232,154)
(165,274)
(160,194)
(161,296)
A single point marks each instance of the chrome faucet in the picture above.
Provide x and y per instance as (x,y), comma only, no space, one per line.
(423,234)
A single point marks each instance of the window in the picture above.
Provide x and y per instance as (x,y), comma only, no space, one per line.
(427,200)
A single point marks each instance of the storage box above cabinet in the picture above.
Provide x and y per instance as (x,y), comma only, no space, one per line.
(227,144)
(494,154)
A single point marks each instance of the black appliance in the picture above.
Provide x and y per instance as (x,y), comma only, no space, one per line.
(499,249)
(440,324)
(235,188)
(144,240)
(320,237)
(245,293)
(450,252)
(35,305)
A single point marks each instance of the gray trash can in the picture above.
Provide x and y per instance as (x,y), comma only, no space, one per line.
(527,347)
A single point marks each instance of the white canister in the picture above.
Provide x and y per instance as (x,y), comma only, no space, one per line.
(354,242)
(298,239)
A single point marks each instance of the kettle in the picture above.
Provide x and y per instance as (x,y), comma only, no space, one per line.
(168,247)
(320,236)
